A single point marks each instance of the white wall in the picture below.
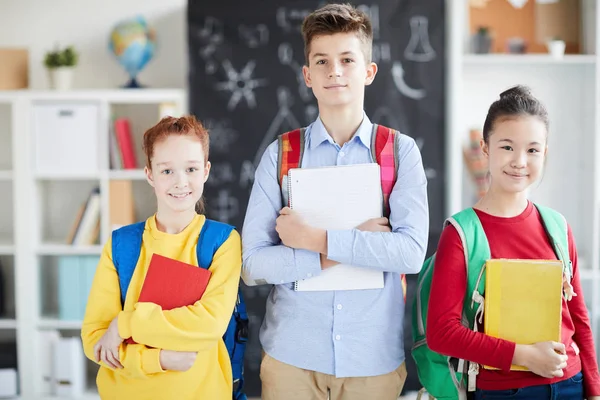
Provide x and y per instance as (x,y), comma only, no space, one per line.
(86,24)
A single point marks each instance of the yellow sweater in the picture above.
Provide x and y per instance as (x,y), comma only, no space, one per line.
(199,327)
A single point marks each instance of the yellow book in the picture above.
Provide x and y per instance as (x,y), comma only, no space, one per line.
(523,301)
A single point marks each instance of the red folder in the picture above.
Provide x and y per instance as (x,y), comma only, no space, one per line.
(171,284)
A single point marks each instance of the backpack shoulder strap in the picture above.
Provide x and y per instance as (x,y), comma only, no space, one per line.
(212,235)
(291,150)
(126,247)
(384,151)
(476,249)
(555,225)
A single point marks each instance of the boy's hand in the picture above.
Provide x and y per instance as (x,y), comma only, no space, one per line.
(177,360)
(107,348)
(292,230)
(375,225)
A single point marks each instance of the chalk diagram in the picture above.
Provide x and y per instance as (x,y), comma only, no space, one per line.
(225,207)
(221,135)
(419,49)
(240,84)
(211,35)
(402,86)
(220,174)
(254,36)
(284,115)
(286,57)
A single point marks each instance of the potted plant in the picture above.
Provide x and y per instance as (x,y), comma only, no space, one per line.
(482,40)
(556,47)
(60,64)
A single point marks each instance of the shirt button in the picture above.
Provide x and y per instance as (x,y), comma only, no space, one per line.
(339,306)
(309,274)
(337,337)
(342,154)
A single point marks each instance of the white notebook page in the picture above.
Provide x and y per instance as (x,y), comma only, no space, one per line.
(338,197)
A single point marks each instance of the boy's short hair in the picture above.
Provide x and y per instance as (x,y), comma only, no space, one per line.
(338,18)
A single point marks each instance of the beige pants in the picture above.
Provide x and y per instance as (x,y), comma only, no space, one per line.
(281,381)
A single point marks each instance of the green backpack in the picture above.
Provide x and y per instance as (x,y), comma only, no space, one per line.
(445,377)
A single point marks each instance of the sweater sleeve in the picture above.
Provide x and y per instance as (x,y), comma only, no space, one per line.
(583,332)
(445,332)
(104,304)
(196,327)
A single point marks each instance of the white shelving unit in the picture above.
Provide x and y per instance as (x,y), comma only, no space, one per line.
(569,87)
(36,217)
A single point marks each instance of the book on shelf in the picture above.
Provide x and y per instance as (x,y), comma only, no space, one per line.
(122,147)
(86,227)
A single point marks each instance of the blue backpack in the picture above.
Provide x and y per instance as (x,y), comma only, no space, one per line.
(126,247)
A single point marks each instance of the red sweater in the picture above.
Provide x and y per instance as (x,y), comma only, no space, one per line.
(521,237)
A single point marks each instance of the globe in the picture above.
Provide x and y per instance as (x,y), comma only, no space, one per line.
(133,43)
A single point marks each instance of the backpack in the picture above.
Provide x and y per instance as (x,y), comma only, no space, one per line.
(384,151)
(126,247)
(444,377)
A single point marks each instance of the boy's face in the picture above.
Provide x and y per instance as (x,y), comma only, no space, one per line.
(337,70)
(178,173)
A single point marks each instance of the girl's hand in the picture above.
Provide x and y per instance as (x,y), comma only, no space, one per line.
(547,359)
(107,348)
(177,360)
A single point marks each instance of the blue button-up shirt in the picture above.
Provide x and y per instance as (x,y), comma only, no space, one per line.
(342,333)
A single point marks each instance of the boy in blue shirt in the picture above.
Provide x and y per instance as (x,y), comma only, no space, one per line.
(343,344)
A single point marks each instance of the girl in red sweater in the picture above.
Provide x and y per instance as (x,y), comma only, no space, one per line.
(515,143)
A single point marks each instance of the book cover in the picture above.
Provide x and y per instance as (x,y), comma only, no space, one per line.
(523,301)
(171,284)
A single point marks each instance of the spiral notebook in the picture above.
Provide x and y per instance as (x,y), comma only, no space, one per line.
(337,198)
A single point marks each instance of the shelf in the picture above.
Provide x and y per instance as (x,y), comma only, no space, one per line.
(6,248)
(6,323)
(74,176)
(6,176)
(127,175)
(51,323)
(117,96)
(528,59)
(50,249)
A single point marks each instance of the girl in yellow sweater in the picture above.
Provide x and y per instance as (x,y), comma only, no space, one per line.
(179,353)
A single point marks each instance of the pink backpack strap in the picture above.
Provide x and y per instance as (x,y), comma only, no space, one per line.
(383,149)
(384,145)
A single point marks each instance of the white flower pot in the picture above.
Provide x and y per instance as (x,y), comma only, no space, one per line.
(556,48)
(61,78)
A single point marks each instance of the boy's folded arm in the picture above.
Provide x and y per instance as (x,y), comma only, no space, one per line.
(104,304)
(196,327)
(265,259)
(403,249)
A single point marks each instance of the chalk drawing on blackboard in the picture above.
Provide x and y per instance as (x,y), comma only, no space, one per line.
(286,57)
(290,19)
(221,135)
(419,49)
(254,36)
(398,77)
(224,207)
(240,84)
(284,120)
(211,36)
(220,174)
(247,174)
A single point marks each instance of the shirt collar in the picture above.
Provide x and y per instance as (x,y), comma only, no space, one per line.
(318,133)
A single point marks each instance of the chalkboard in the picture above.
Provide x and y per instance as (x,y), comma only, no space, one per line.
(246,85)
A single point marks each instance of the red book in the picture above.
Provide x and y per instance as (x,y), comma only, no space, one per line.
(171,284)
(125,141)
